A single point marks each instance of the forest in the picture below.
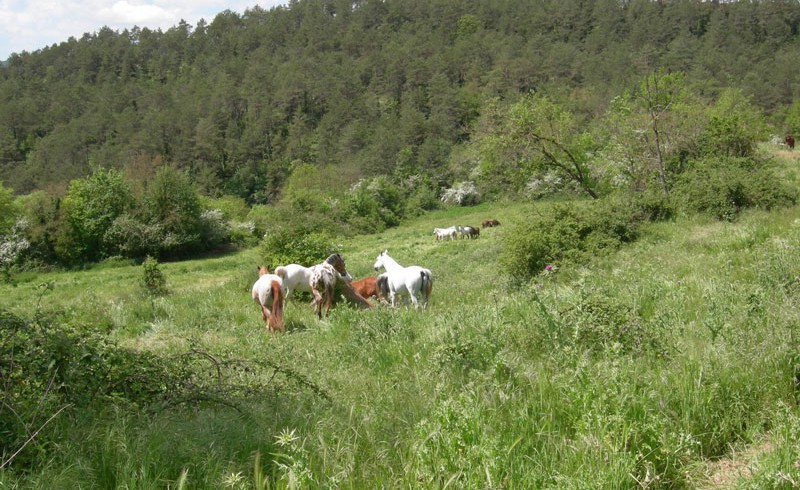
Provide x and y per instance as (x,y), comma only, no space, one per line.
(358,114)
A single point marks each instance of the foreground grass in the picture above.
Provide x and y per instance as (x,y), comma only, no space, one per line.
(633,371)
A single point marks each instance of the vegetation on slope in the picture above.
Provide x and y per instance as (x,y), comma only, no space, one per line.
(631,369)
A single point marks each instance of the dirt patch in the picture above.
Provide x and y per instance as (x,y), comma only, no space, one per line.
(724,473)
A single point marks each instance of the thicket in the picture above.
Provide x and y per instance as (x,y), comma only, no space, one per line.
(59,375)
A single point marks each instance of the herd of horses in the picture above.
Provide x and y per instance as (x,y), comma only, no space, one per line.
(272,290)
(460,231)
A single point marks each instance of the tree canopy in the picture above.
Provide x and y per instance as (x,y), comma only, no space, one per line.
(370,87)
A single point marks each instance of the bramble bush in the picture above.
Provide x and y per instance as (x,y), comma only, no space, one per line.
(47,367)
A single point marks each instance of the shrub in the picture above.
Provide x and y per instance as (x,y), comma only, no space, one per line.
(569,232)
(11,246)
(153,280)
(600,322)
(724,186)
(294,245)
(49,367)
(462,194)
(373,205)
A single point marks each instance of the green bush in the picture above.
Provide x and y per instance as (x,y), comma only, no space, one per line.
(569,233)
(295,245)
(153,280)
(724,186)
(601,323)
(49,367)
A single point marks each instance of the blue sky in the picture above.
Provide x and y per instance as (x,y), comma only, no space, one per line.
(29,25)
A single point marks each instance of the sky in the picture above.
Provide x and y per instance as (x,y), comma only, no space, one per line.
(30,25)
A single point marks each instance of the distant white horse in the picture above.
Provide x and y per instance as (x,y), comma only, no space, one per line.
(442,233)
(312,279)
(268,291)
(399,280)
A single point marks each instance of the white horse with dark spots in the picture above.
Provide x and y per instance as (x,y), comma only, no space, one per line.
(268,293)
(319,280)
(400,281)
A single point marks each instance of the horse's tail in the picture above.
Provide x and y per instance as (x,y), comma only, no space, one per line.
(276,318)
(427,284)
(382,286)
(280,271)
(329,282)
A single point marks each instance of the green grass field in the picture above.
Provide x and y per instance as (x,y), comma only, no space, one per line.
(646,368)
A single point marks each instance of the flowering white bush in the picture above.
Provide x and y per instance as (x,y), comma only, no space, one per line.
(11,245)
(463,194)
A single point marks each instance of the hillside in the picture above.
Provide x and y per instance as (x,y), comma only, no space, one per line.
(642,367)
(365,88)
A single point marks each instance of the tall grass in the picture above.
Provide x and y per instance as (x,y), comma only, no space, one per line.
(631,371)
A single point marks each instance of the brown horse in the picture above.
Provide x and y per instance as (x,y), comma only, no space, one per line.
(269,288)
(488,223)
(367,287)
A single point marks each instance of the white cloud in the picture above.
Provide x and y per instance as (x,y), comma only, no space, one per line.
(125,13)
(29,25)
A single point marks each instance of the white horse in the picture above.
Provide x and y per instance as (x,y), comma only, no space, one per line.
(295,278)
(268,291)
(442,233)
(399,280)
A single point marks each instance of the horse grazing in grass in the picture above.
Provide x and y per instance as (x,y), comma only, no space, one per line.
(401,281)
(319,280)
(471,231)
(367,287)
(468,231)
(268,290)
(488,223)
(442,233)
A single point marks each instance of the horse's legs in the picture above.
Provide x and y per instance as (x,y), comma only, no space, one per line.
(328,301)
(413,298)
(317,302)
(264,313)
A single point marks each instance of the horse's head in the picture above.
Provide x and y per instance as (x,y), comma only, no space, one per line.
(262,270)
(379,261)
(337,262)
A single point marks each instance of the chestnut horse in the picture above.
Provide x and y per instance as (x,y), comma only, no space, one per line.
(367,287)
(269,289)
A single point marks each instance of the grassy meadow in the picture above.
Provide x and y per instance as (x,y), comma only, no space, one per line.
(671,363)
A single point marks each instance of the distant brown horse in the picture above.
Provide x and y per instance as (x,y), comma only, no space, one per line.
(788,140)
(367,287)
(269,289)
(488,223)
